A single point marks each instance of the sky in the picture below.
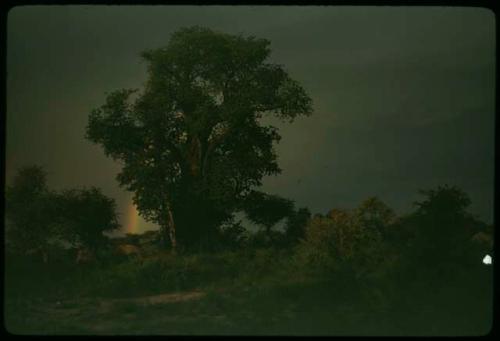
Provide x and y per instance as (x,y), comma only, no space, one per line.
(403,97)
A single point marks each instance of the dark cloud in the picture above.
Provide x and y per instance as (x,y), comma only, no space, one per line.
(403,97)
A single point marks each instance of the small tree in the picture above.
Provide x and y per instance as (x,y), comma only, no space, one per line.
(296,225)
(375,216)
(441,245)
(444,225)
(267,210)
(375,222)
(29,212)
(316,251)
(348,240)
(85,214)
(329,241)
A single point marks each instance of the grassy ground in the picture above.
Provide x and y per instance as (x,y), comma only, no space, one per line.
(278,310)
(231,294)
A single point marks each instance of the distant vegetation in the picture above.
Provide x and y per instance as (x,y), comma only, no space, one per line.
(194,153)
(41,221)
(368,270)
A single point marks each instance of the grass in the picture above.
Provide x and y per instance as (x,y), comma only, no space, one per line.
(244,293)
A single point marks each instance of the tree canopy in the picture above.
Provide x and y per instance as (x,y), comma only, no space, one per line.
(28,211)
(191,142)
(296,224)
(353,240)
(39,219)
(267,210)
(85,214)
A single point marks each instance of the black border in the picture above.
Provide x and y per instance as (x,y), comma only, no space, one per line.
(9,4)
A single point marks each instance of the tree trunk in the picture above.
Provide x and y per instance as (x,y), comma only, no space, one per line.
(164,238)
(171,229)
(194,157)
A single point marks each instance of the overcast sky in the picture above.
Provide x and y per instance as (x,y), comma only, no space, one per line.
(403,96)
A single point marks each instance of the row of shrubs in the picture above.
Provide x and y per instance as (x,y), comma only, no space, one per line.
(421,269)
(369,246)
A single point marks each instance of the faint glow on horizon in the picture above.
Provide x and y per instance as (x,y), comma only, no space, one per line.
(133,218)
(134,223)
(487,260)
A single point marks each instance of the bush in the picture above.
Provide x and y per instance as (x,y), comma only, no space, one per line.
(233,236)
(348,242)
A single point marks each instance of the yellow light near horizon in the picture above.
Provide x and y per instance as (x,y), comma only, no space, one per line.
(133,219)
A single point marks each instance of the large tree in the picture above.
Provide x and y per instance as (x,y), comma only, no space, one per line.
(191,143)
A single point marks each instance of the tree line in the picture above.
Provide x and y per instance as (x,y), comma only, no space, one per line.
(39,219)
(367,238)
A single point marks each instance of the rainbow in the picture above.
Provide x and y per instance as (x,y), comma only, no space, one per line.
(132,219)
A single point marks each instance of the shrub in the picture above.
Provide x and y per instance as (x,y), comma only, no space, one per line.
(348,241)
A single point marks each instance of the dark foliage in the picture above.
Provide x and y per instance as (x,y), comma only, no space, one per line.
(296,224)
(266,210)
(85,215)
(29,212)
(191,142)
(41,221)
